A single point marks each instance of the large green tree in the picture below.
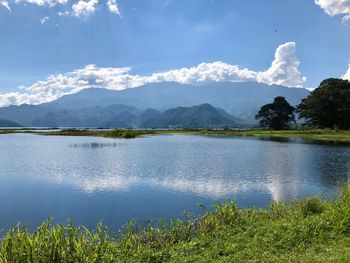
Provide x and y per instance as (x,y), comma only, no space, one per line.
(277,115)
(328,106)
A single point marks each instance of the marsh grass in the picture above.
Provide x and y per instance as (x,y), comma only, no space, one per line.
(6,131)
(320,135)
(116,133)
(308,230)
(326,135)
(128,133)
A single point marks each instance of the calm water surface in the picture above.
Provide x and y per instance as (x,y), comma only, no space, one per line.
(90,179)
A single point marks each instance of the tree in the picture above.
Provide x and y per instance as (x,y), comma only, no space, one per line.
(277,115)
(328,106)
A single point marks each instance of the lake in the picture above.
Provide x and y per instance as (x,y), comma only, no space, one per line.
(89,179)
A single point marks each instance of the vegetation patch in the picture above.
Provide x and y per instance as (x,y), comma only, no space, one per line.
(6,131)
(326,135)
(117,133)
(308,230)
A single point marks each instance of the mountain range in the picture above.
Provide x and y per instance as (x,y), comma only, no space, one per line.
(156,105)
(6,123)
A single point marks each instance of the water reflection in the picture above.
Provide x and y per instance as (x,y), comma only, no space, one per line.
(207,167)
(94,145)
(159,175)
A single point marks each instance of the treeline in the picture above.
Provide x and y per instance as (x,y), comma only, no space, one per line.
(328,106)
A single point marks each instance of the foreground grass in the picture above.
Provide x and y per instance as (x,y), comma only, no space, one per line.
(309,230)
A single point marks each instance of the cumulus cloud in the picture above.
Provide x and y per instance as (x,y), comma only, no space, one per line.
(347,74)
(5,4)
(113,7)
(335,7)
(205,73)
(283,71)
(84,8)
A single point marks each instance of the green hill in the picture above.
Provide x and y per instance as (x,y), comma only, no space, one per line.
(201,116)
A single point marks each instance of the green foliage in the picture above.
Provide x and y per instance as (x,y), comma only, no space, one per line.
(196,117)
(309,230)
(117,133)
(328,106)
(277,115)
(6,131)
(127,134)
(320,135)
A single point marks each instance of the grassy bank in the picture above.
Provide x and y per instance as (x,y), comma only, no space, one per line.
(309,230)
(310,134)
(325,135)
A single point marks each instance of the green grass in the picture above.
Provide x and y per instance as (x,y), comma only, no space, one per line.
(308,230)
(6,131)
(309,134)
(116,133)
(323,135)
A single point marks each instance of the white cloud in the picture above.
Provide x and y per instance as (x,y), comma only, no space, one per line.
(335,7)
(347,74)
(65,13)
(113,7)
(283,71)
(44,20)
(84,8)
(80,8)
(205,73)
(5,4)
(49,3)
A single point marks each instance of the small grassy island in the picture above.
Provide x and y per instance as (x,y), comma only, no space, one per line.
(116,133)
(309,230)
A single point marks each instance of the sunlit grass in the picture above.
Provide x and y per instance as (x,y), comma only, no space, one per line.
(327,135)
(312,134)
(308,230)
(6,131)
(116,133)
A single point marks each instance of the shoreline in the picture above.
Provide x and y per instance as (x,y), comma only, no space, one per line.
(305,230)
(321,135)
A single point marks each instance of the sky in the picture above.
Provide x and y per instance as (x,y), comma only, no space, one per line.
(49,48)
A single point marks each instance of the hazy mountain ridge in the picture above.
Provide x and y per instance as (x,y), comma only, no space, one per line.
(122,116)
(200,116)
(240,99)
(6,123)
(149,104)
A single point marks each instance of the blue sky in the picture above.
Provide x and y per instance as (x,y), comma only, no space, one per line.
(39,38)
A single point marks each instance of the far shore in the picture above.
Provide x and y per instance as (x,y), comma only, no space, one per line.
(325,135)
